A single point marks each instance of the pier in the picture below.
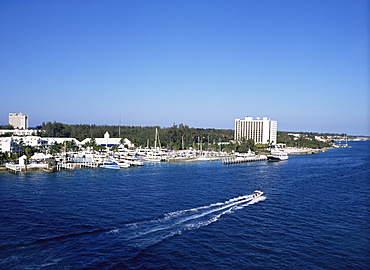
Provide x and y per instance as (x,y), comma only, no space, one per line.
(46,167)
(73,165)
(65,166)
(88,164)
(14,167)
(30,167)
(226,161)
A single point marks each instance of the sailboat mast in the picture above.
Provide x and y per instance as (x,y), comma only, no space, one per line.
(119,126)
(155,140)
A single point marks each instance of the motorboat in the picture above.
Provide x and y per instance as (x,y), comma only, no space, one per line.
(132,161)
(277,156)
(152,158)
(257,193)
(110,165)
(136,162)
(123,164)
(278,153)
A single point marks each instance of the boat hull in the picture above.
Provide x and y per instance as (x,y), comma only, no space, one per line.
(276,158)
(112,166)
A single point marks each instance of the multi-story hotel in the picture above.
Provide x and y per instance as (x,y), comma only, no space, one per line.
(18,120)
(261,131)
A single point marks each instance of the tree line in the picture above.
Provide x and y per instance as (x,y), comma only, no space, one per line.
(176,137)
(306,140)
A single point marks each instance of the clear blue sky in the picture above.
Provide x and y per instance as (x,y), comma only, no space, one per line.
(202,63)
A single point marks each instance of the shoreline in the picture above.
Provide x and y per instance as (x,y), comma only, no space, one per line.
(14,168)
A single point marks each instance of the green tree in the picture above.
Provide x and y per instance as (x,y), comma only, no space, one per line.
(71,146)
(246,145)
(175,137)
(7,127)
(305,140)
(114,148)
(55,148)
(20,146)
(30,150)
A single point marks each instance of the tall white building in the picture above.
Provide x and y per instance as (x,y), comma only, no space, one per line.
(261,131)
(18,120)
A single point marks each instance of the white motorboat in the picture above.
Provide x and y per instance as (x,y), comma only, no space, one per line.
(132,161)
(123,164)
(277,156)
(152,158)
(110,165)
(136,163)
(278,153)
(257,193)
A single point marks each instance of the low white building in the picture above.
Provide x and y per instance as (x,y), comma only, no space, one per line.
(108,141)
(10,144)
(32,140)
(321,139)
(7,144)
(53,140)
(18,132)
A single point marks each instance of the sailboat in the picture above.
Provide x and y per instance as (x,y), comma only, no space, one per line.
(154,155)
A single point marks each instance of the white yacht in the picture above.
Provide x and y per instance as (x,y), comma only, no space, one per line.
(133,161)
(110,165)
(122,164)
(278,153)
(277,156)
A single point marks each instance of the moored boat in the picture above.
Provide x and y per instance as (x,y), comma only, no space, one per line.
(278,153)
(123,164)
(110,165)
(277,156)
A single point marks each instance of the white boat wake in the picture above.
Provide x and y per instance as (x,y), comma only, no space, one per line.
(133,237)
(147,233)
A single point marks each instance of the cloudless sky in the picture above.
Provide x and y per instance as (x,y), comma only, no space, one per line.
(202,63)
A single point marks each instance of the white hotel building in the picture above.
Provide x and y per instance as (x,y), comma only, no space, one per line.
(261,131)
(18,120)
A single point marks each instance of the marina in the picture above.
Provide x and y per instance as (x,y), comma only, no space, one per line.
(125,158)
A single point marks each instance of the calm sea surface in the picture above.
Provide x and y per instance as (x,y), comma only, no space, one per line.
(196,215)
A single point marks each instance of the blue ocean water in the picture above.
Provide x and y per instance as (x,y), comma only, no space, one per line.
(195,215)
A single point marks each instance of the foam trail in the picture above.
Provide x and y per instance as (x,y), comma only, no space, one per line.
(146,233)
